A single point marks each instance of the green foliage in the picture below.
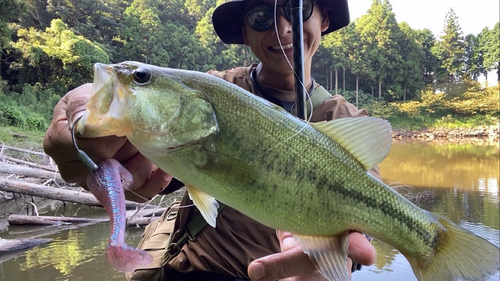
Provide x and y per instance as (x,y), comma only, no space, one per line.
(363,97)
(489,42)
(475,100)
(9,10)
(426,40)
(12,115)
(55,56)
(474,57)
(484,101)
(450,49)
(49,47)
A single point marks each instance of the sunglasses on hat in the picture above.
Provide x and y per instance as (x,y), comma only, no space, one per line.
(261,16)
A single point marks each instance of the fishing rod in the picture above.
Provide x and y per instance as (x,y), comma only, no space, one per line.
(298,57)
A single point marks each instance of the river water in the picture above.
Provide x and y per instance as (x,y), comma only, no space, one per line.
(459,181)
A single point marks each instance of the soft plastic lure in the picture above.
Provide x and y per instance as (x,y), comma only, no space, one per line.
(107,181)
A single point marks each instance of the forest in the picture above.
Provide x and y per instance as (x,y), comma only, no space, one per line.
(48,47)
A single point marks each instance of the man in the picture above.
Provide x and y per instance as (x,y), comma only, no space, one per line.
(239,248)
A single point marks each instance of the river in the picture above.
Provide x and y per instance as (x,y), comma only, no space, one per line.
(459,181)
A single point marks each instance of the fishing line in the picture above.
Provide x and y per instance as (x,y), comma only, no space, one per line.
(91,165)
(308,121)
(275,14)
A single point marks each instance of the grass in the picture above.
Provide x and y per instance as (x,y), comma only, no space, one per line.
(32,140)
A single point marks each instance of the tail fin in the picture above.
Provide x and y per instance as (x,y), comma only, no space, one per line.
(125,258)
(460,255)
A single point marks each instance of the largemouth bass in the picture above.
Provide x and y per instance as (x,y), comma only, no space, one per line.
(107,184)
(226,144)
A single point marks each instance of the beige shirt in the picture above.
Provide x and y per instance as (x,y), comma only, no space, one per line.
(238,240)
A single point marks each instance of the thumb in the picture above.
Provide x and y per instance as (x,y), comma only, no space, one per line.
(293,262)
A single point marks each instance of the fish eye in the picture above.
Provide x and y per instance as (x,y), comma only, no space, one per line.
(141,76)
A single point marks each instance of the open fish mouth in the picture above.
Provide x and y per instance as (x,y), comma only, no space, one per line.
(105,114)
(102,77)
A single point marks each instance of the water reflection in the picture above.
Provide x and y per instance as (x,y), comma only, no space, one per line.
(458,181)
(77,254)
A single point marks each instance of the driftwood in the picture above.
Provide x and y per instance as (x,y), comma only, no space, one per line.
(19,136)
(7,147)
(12,245)
(144,217)
(136,218)
(35,231)
(133,216)
(141,221)
(30,172)
(47,220)
(31,164)
(56,193)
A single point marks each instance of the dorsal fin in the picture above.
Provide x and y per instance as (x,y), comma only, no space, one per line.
(368,139)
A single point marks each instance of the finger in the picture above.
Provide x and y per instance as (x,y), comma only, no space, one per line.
(286,240)
(361,250)
(158,181)
(141,168)
(293,262)
(75,172)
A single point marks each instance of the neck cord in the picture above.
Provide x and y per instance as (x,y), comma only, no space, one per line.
(287,105)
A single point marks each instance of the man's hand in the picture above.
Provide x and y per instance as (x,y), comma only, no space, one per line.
(148,179)
(292,264)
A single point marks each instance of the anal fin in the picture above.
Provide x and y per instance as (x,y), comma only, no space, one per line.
(328,253)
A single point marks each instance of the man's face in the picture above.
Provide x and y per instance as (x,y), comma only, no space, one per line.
(265,44)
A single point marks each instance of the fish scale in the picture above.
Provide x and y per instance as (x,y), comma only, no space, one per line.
(310,179)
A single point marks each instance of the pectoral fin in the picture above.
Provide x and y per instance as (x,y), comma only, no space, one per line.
(205,203)
(328,253)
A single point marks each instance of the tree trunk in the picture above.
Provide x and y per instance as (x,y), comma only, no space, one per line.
(343,78)
(7,147)
(327,81)
(357,84)
(336,81)
(47,220)
(30,172)
(56,193)
(379,89)
(404,93)
(12,245)
(15,160)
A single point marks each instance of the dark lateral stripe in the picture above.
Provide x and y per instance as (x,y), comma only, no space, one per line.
(388,210)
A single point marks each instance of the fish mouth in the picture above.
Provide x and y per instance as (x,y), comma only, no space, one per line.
(105,113)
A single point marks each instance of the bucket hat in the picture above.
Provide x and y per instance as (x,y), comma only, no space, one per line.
(228,18)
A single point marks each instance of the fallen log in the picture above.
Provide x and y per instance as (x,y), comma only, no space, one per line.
(31,164)
(47,220)
(57,193)
(141,221)
(8,147)
(36,231)
(19,136)
(146,213)
(12,245)
(30,172)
